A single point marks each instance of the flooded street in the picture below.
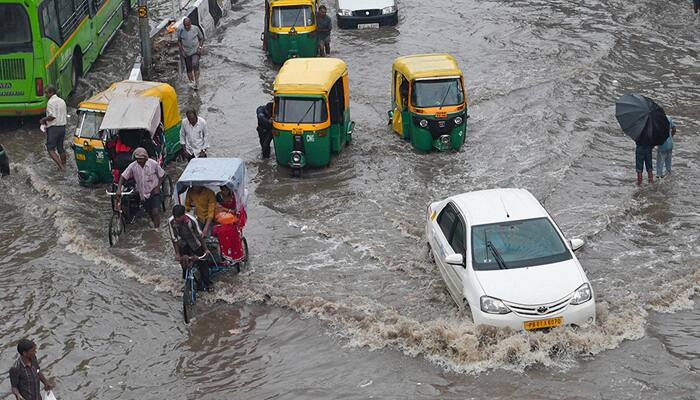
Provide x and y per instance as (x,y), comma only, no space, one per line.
(340,299)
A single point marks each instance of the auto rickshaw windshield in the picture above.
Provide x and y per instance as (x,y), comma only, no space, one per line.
(90,124)
(292,16)
(437,93)
(298,110)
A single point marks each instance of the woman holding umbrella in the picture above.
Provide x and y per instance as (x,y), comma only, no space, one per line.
(646,123)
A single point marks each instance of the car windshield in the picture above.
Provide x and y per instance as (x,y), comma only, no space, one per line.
(300,110)
(90,125)
(519,244)
(292,16)
(437,92)
(17,30)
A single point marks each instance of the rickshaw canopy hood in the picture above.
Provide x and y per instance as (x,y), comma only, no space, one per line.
(309,75)
(282,3)
(132,113)
(419,66)
(213,173)
(165,92)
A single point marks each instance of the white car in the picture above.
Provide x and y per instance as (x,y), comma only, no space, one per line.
(503,256)
(358,13)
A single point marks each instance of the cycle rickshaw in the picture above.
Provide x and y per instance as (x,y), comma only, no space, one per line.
(228,248)
(129,123)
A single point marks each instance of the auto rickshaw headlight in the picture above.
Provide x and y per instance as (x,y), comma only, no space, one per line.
(296,158)
(458,120)
(344,13)
(423,123)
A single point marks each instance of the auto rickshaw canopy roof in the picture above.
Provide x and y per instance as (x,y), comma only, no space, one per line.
(420,66)
(166,93)
(132,113)
(309,75)
(283,3)
(214,173)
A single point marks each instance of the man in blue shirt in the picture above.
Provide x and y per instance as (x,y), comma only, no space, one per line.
(664,152)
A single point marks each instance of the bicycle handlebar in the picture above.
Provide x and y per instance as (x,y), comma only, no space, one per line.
(123,193)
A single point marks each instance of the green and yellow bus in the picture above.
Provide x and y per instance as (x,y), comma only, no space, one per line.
(51,42)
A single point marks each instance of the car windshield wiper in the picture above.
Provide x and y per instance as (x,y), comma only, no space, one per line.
(496,255)
(313,105)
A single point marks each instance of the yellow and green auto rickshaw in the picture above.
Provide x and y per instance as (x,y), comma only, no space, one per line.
(290,29)
(429,103)
(89,142)
(311,112)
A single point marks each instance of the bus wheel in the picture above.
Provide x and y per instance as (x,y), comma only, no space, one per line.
(75,71)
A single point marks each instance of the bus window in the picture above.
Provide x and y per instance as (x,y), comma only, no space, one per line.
(49,21)
(16,32)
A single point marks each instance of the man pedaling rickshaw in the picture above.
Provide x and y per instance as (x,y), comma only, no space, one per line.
(190,246)
(148,177)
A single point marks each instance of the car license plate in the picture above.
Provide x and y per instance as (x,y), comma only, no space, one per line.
(542,323)
(368,26)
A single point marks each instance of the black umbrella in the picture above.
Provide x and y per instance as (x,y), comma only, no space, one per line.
(642,119)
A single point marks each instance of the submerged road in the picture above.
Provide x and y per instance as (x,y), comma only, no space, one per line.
(356,309)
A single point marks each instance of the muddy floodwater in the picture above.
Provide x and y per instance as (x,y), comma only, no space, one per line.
(340,299)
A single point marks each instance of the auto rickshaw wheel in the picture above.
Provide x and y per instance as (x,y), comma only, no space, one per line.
(296,172)
(116,228)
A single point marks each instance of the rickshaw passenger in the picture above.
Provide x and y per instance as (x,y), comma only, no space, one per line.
(204,203)
(188,241)
(148,176)
(230,224)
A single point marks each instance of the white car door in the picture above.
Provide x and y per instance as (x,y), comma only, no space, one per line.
(442,231)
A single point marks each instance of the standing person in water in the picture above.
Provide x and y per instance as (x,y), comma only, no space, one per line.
(264,115)
(25,373)
(55,122)
(664,153)
(324,25)
(190,41)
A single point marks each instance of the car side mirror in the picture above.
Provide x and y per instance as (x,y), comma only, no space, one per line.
(576,244)
(455,259)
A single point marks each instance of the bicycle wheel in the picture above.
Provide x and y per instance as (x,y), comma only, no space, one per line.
(189,297)
(244,259)
(166,192)
(116,228)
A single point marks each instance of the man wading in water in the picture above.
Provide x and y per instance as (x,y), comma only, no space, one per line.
(190,40)
(25,374)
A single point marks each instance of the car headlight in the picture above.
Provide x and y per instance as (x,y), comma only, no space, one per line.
(344,13)
(458,120)
(423,123)
(492,305)
(582,294)
(389,10)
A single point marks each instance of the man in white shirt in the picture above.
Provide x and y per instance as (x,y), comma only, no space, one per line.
(55,121)
(193,136)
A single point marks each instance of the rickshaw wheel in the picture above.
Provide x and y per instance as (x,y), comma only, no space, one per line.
(244,259)
(116,228)
(188,300)
(166,192)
